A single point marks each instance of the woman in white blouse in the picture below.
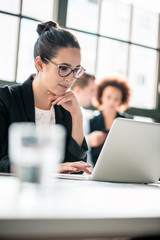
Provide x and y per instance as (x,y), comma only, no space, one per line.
(45,97)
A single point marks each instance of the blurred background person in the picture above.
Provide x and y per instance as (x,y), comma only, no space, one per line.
(113,93)
(85,89)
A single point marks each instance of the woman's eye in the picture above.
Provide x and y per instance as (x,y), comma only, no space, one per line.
(77,70)
(63,68)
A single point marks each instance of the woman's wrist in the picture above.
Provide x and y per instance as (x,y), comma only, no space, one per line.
(77,115)
(77,128)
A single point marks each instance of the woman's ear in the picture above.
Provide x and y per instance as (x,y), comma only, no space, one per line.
(39,64)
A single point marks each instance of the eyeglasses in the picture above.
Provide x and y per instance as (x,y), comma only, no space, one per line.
(65,71)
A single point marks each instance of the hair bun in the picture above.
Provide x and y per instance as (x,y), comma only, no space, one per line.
(45,26)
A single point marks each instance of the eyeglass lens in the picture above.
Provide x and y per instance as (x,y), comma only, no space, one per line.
(66,71)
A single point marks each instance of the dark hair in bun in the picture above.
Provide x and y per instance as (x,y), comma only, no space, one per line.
(42,27)
(51,39)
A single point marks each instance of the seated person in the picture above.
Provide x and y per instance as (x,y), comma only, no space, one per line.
(112,93)
(58,63)
(84,89)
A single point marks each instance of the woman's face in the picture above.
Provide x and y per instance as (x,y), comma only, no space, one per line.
(111,98)
(68,57)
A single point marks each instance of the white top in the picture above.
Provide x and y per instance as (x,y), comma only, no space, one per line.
(44,117)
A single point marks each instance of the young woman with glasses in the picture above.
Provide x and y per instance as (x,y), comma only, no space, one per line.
(45,98)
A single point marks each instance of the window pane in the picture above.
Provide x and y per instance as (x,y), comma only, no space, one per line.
(142,77)
(83,15)
(115,19)
(28,38)
(88,50)
(145,27)
(8,46)
(12,6)
(112,58)
(41,9)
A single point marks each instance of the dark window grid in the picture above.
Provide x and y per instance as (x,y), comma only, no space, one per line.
(20,16)
(97,35)
(153,113)
(114,39)
(150,113)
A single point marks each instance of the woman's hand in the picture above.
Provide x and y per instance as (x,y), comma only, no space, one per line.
(96,138)
(73,167)
(68,101)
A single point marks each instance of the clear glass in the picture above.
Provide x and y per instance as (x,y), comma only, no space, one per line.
(36,151)
(145,27)
(142,77)
(88,50)
(38,9)
(8,46)
(115,19)
(28,37)
(83,15)
(112,58)
(12,6)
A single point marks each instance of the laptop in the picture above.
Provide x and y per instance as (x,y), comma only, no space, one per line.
(130,154)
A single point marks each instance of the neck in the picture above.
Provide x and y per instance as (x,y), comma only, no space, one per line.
(109,117)
(109,114)
(40,94)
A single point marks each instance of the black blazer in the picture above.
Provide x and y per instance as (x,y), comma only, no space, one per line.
(17,105)
(97,124)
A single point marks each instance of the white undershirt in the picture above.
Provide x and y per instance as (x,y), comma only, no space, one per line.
(44,117)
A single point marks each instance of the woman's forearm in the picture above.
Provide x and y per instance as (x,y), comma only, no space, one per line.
(77,128)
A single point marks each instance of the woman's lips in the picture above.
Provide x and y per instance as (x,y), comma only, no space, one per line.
(64,87)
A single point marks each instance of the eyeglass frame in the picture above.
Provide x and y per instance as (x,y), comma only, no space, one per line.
(72,70)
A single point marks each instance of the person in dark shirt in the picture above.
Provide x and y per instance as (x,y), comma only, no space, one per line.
(112,94)
(58,63)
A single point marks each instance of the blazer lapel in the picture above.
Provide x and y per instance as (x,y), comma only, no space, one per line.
(59,115)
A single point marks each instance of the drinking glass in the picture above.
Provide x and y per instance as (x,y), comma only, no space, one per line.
(36,151)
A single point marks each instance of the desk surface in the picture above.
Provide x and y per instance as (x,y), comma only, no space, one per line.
(74,208)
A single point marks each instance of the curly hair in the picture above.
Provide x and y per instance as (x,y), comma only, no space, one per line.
(117,82)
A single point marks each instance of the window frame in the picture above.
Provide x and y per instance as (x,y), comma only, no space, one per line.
(20,16)
(60,15)
(142,112)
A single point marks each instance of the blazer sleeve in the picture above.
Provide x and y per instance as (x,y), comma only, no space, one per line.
(4,124)
(76,153)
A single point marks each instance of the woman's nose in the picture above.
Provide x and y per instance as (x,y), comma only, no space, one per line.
(70,78)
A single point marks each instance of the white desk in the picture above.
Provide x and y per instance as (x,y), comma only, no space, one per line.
(76,209)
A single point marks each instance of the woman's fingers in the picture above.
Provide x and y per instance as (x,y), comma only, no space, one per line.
(86,170)
(66,168)
(56,100)
(74,167)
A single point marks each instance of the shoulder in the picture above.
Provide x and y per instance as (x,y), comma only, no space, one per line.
(97,123)
(97,116)
(7,93)
(14,92)
(87,113)
(15,88)
(125,115)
